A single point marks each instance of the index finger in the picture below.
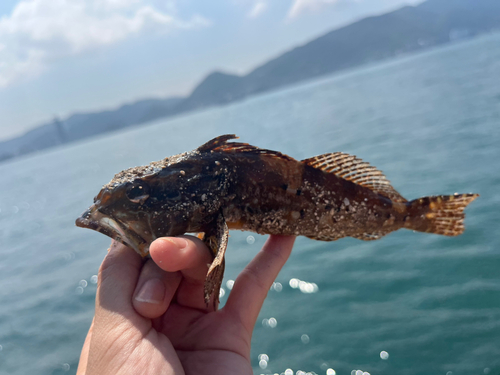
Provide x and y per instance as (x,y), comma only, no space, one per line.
(251,286)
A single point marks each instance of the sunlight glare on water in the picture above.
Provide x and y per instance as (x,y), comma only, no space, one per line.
(304,286)
(264,357)
(277,287)
(271,322)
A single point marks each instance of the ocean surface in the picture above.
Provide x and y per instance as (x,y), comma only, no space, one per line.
(408,304)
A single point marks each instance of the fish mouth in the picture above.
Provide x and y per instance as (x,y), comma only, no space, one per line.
(105,224)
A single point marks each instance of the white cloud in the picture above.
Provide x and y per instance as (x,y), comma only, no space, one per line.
(258,8)
(118,3)
(40,31)
(300,6)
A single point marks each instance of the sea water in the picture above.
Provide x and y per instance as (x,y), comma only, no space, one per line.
(409,303)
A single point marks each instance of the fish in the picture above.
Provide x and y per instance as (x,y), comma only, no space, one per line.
(225,185)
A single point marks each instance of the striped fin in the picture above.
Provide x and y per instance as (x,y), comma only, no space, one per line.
(444,214)
(353,169)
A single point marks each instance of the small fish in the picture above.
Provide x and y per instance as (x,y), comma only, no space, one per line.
(228,185)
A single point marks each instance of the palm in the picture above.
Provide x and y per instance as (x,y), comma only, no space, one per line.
(190,329)
(210,342)
(202,341)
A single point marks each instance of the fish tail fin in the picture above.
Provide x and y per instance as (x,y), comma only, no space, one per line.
(439,214)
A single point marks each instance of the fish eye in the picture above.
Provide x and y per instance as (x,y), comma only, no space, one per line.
(173,195)
(137,192)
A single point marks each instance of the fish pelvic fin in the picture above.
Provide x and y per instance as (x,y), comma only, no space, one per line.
(439,214)
(216,241)
(351,168)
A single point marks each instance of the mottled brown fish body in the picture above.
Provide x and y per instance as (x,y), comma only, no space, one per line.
(223,185)
(302,201)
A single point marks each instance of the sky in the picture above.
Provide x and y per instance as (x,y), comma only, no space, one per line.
(59,57)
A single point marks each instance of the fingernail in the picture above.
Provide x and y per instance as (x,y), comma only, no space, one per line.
(180,243)
(153,291)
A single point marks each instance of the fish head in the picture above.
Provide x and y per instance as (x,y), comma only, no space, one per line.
(176,195)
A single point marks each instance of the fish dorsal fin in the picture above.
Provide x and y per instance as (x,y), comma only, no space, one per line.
(216,142)
(353,169)
(220,144)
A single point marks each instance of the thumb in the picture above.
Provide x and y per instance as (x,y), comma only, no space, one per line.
(155,290)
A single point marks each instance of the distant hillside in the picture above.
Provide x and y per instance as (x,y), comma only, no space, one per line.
(375,38)
(83,125)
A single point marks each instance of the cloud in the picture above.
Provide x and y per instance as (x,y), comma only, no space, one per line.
(41,31)
(300,6)
(258,8)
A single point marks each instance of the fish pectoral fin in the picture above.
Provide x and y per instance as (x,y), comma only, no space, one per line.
(216,241)
(351,168)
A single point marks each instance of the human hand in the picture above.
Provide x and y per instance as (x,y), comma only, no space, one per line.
(151,318)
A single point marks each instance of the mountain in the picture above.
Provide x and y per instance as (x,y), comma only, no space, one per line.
(375,38)
(83,125)
(405,30)
(88,124)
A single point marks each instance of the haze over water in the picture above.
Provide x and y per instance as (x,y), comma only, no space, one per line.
(430,122)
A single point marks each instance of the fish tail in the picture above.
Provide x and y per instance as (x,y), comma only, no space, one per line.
(439,214)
